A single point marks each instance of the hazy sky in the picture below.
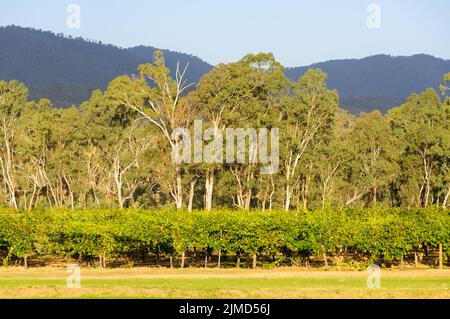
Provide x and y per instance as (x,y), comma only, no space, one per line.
(297,32)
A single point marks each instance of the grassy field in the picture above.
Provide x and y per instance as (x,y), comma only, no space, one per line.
(50,282)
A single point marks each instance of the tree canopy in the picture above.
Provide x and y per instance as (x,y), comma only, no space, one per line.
(115,149)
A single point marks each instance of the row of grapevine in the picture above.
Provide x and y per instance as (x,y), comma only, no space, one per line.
(106,235)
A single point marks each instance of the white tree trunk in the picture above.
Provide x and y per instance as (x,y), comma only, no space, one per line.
(191,193)
(287,202)
(447,196)
(118,181)
(209,188)
(179,189)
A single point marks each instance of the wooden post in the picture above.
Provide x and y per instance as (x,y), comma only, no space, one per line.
(254,261)
(441,261)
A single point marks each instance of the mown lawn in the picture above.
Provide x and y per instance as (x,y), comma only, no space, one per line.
(50,282)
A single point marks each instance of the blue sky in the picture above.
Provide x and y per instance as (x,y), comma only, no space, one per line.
(297,32)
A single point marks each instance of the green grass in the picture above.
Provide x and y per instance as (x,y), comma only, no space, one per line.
(212,283)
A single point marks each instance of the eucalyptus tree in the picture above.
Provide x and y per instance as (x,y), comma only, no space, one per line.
(423,124)
(159,99)
(374,154)
(50,155)
(332,160)
(219,96)
(117,141)
(13,96)
(308,115)
(236,95)
(68,156)
(35,131)
(328,163)
(259,123)
(446,156)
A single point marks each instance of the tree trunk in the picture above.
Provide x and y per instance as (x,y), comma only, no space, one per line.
(183,255)
(191,194)
(218,260)
(7,164)
(118,181)
(325,259)
(427,194)
(72,205)
(25,262)
(179,189)
(206,258)
(287,202)
(209,187)
(419,196)
(427,178)
(323,200)
(416,259)
(69,188)
(441,261)
(30,206)
(272,192)
(238,261)
(355,198)
(254,261)
(171,261)
(248,199)
(306,192)
(447,196)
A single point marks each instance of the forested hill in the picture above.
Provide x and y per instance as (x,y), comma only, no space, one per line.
(379,81)
(66,70)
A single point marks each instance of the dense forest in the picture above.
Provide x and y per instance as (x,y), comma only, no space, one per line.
(115,149)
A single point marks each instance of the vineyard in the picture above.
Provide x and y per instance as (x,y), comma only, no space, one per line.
(222,238)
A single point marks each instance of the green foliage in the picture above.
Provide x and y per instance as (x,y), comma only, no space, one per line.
(116,149)
(374,234)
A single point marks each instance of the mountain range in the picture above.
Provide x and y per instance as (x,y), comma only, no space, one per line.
(66,69)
